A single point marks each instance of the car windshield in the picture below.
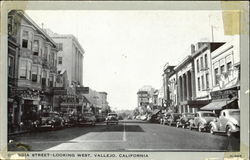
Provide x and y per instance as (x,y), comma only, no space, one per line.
(176,115)
(234,113)
(87,114)
(45,114)
(208,115)
(189,115)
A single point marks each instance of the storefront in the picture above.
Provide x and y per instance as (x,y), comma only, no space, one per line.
(223,99)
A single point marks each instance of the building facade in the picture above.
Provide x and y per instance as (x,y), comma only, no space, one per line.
(186,86)
(35,68)
(172,85)
(70,56)
(225,69)
(166,72)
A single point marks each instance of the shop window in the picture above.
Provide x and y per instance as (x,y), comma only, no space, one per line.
(199,84)
(197,65)
(59,60)
(11,66)
(207,80)
(36,48)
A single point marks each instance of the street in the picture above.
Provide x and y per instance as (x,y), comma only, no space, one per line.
(129,135)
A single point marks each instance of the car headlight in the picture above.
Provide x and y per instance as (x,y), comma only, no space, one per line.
(49,122)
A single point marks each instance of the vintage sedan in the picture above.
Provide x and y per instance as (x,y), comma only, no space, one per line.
(87,118)
(185,120)
(49,120)
(112,118)
(228,122)
(171,119)
(202,120)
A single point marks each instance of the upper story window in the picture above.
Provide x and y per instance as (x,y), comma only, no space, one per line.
(59,60)
(206,63)
(34,76)
(207,80)
(23,69)
(202,82)
(197,65)
(199,84)
(229,66)
(36,48)
(201,62)
(60,46)
(45,53)
(222,69)
(11,65)
(216,74)
(25,39)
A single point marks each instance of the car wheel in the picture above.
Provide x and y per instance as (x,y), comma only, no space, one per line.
(199,128)
(229,131)
(177,125)
(52,126)
(212,130)
(107,123)
(190,127)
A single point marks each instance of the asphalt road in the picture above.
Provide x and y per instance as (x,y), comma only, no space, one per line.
(128,136)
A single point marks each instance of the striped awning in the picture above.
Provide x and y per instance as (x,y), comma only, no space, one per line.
(217,105)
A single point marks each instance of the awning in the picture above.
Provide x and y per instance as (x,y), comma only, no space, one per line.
(217,105)
(156,111)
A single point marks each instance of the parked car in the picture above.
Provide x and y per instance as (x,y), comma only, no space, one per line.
(156,118)
(112,118)
(69,119)
(49,120)
(228,122)
(86,118)
(201,120)
(185,120)
(100,118)
(171,119)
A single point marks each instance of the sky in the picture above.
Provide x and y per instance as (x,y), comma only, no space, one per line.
(125,50)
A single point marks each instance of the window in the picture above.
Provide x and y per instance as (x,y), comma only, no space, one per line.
(207,80)
(229,66)
(11,66)
(51,78)
(216,73)
(59,60)
(201,62)
(197,64)
(45,53)
(25,38)
(44,76)
(202,82)
(29,70)
(206,65)
(36,48)
(10,24)
(34,76)
(60,46)
(222,69)
(23,69)
(199,84)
